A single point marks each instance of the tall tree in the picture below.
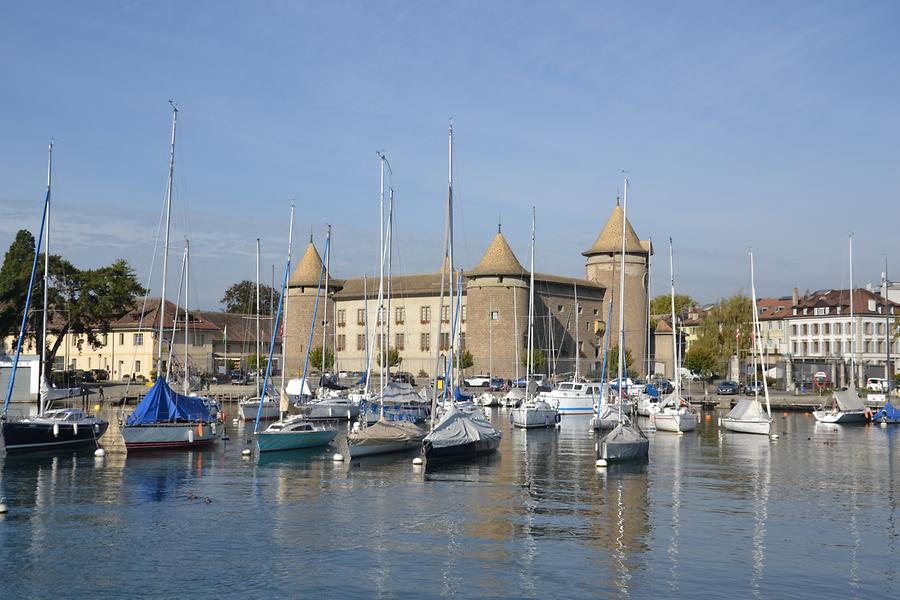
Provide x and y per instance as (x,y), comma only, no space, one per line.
(80,302)
(241,298)
(315,358)
(726,331)
(662,305)
(393,356)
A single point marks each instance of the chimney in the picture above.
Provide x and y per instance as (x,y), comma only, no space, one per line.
(795,296)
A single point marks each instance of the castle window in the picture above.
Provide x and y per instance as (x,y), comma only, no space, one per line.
(462,314)
(596,312)
(445,313)
(425,315)
(559,308)
(360,342)
(445,342)
(399,340)
(341,317)
(341,342)
(425,342)
(400,315)
(360,316)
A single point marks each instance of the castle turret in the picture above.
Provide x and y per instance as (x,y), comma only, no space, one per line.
(301,302)
(602,267)
(497,310)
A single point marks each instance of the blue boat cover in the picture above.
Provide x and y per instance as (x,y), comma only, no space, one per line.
(651,391)
(162,405)
(362,380)
(460,397)
(889,411)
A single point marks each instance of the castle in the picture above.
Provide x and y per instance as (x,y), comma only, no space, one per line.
(493,313)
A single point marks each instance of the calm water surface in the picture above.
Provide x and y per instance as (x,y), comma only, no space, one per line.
(813,514)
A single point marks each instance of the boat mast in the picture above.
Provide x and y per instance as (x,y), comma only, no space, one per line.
(889,372)
(852,321)
(576,333)
(44,371)
(516,335)
(490,340)
(284,299)
(258,349)
(162,299)
(380,318)
(389,239)
(649,367)
(675,361)
(450,252)
(757,330)
(529,360)
(622,302)
(325,308)
(187,287)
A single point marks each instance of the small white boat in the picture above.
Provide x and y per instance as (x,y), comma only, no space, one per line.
(513,397)
(248,409)
(747,416)
(488,399)
(606,418)
(846,408)
(681,418)
(534,413)
(574,397)
(383,437)
(294,433)
(339,407)
(647,405)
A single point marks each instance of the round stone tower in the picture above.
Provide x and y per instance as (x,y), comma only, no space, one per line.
(301,302)
(603,267)
(497,310)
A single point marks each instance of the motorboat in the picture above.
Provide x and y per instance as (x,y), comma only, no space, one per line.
(293,433)
(574,397)
(56,428)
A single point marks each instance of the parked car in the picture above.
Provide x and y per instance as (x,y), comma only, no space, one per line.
(876,384)
(404,377)
(497,384)
(478,381)
(85,376)
(100,374)
(727,388)
(755,387)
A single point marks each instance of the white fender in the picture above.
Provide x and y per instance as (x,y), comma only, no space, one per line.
(212,427)
(56,430)
(191,435)
(75,429)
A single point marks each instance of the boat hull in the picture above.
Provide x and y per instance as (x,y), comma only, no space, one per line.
(530,418)
(621,451)
(249,410)
(294,440)
(747,425)
(332,411)
(676,422)
(461,451)
(840,417)
(385,448)
(162,436)
(24,436)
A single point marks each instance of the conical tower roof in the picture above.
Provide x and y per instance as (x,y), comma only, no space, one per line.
(499,259)
(610,239)
(308,269)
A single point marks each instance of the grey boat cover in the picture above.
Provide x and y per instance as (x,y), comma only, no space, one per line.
(748,409)
(625,442)
(398,393)
(670,400)
(457,428)
(515,393)
(848,400)
(385,432)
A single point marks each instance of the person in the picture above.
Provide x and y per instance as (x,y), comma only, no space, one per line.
(84,397)
(100,389)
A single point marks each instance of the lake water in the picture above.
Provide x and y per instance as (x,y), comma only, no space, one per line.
(813,514)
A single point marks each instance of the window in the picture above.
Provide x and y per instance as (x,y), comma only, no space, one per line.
(121,339)
(868,328)
(341,342)
(445,313)
(826,329)
(425,342)
(559,308)
(445,342)
(400,315)
(425,314)
(378,341)
(793,330)
(342,317)
(360,316)
(815,329)
(399,340)
(462,315)
(868,347)
(139,339)
(381,311)
(579,309)
(804,329)
(199,339)
(361,342)
(596,312)
(495,315)
(880,329)
(137,366)
(104,340)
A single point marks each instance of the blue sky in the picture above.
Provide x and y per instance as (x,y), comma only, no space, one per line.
(772,125)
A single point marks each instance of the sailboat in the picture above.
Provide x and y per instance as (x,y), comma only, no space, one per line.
(163,418)
(385,435)
(626,441)
(607,414)
(288,432)
(534,412)
(249,408)
(675,414)
(458,433)
(748,416)
(50,429)
(846,407)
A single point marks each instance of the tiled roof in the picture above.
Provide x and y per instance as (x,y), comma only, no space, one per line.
(132,318)
(308,269)
(610,238)
(841,298)
(498,259)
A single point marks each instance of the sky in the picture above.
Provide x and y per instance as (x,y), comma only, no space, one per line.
(740,124)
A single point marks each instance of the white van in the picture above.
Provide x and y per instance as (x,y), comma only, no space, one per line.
(876,384)
(688,375)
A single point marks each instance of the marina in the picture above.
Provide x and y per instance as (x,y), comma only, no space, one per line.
(710,510)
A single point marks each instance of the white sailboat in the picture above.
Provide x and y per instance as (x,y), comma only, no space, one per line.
(748,416)
(626,441)
(675,414)
(846,408)
(534,412)
(288,432)
(249,408)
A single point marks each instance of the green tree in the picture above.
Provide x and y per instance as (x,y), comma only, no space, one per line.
(466,360)
(257,359)
(702,360)
(394,358)
(538,360)
(241,298)
(718,334)
(315,358)
(81,302)
(612,363)
(662,305)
